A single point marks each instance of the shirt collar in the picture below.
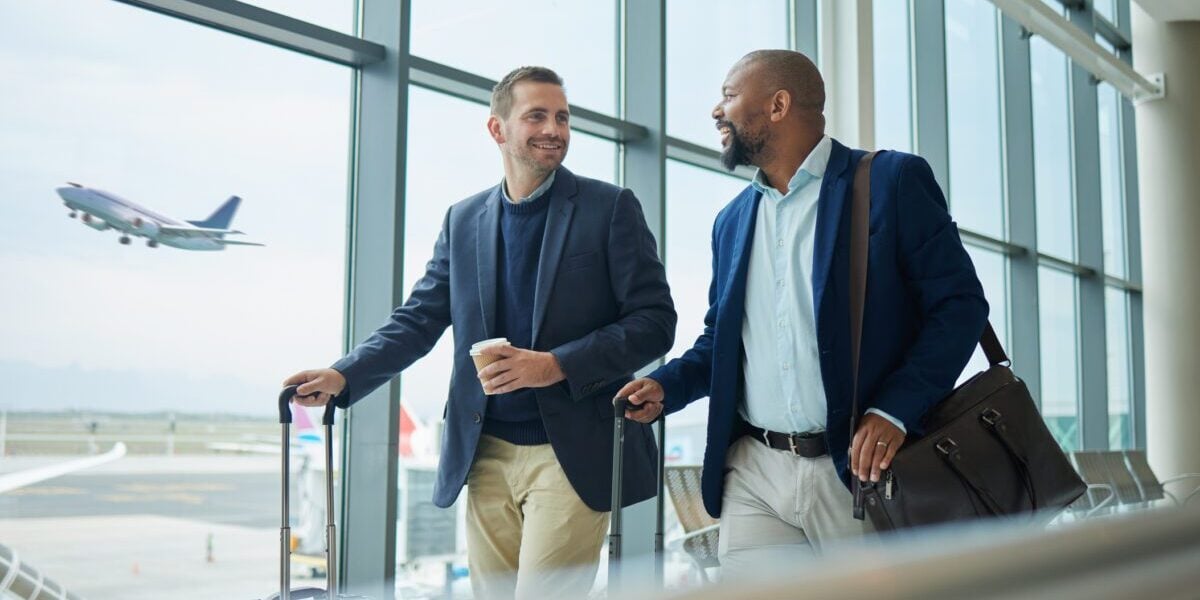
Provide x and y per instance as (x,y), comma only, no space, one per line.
(535,194)
(812,168)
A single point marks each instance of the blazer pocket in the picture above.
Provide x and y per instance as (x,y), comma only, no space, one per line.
(579,261)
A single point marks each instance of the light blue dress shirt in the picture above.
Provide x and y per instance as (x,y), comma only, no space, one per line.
(784,388)
(534,195)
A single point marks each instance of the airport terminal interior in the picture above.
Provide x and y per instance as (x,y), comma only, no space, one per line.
(202,197)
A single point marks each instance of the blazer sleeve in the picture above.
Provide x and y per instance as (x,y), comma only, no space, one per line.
(409,333)
(689,377)
(645,327)
(939,272)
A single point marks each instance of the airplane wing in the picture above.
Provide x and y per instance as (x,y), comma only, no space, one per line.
(237,243)
(12,481)
(196,231)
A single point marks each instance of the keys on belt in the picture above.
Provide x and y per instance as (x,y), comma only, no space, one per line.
(806,445)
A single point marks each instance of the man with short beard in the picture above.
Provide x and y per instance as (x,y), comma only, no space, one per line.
(566,269)
(775,358)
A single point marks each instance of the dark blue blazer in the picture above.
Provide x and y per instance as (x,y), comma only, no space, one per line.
(601,306)
(924,311)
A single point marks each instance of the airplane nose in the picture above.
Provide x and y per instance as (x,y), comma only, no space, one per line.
(65,192)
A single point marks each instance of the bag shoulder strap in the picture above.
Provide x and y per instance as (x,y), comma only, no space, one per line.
(860,216)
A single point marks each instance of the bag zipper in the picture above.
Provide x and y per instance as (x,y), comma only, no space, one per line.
(887,485)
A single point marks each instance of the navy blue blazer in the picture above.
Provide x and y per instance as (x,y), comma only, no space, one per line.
(601,306)
(924,312)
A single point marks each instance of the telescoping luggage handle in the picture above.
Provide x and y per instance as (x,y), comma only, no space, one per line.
(620,405)
(285,531)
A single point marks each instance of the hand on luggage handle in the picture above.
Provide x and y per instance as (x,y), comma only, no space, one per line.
(622,404)
(285,411)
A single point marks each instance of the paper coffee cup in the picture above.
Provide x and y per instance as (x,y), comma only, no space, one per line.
(482,360)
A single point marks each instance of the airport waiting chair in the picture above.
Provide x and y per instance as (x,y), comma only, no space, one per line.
(1101,491)
(699,540)
(1151,487)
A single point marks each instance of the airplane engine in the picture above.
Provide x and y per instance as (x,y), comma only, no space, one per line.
(94,222)
(144,227)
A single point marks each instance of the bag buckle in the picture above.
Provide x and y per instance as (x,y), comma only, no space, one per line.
(946,446)
(990,416)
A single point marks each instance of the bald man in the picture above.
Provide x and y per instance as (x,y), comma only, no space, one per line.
(775,353)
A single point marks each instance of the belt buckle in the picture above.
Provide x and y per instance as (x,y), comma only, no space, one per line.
(792,444)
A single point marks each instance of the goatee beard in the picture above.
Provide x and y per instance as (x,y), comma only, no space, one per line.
(740,151)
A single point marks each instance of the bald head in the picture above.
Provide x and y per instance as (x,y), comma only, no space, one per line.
(791,72)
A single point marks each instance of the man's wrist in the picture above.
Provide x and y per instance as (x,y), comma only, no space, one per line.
(556,372)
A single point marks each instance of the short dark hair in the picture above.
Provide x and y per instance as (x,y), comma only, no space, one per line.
(793,72)
(502,95)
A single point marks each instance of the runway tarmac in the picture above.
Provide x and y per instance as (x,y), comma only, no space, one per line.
(140,528)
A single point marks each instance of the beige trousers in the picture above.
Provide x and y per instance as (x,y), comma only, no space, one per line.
(779,509)
(528,533)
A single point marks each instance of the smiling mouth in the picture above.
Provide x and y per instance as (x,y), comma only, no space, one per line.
(726,131)
(548,146)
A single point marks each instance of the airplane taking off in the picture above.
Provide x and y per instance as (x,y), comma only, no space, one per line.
(102,210)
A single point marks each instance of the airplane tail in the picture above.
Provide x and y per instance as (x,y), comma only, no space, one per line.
(222,217)
(306,429)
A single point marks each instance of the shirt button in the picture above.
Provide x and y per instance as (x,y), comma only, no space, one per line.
(782,322)
(476,418)
(786,366)
(780,243)
(779,282)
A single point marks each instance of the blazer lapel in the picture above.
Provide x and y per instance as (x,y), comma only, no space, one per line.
(734,301)
(487,247)
(829,217)
(558,221)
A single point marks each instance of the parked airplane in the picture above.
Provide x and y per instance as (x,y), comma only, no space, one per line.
(102,210)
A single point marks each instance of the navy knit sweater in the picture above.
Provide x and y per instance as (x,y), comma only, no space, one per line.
(514,417)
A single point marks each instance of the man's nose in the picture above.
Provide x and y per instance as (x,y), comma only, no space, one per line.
(717,113)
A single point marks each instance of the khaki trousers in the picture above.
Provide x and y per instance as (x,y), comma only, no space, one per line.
(528,533)
(779,509)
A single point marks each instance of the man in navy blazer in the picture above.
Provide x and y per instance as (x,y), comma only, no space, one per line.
(774,357)
(569,273)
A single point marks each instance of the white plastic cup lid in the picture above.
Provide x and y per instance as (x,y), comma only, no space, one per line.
(477,346)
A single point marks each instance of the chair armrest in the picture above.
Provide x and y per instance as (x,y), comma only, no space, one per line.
(1112,493)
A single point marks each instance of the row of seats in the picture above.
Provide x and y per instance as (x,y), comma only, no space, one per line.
(1124,477)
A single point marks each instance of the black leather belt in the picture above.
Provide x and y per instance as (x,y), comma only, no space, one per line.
(807,445)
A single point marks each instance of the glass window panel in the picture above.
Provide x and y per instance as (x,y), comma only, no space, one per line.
(704,39)
(991,268)
(1107,9)
(171,351)
(1052,150)
(576,39)
(973,100)
(694,197)
(441,126)
(1112,185)
(337,15)
(893,91)
(1060,355)
(1120,388)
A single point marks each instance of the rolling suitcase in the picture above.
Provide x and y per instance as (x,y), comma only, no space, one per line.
(620,405)
(285,531)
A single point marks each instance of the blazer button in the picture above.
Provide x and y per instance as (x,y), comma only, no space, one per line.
(476,418)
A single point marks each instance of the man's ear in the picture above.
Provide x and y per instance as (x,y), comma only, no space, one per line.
(781,105)
(495,129)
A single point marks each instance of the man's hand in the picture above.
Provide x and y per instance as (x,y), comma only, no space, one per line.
(518,369)
(645,393)
(875,443)
(317,386)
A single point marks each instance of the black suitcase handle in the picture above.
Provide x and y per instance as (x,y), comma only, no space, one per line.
(620,405)
(286,395)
